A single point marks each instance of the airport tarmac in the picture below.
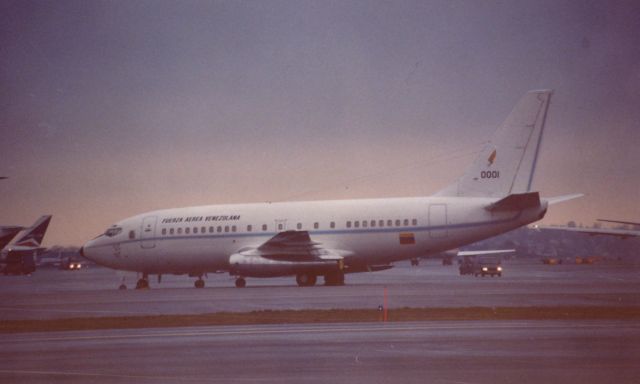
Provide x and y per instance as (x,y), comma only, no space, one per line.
(50,293)
(418,352)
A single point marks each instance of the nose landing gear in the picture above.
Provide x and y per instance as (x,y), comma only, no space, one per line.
(143,283)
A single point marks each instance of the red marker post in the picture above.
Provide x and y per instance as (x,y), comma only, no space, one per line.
(384,305)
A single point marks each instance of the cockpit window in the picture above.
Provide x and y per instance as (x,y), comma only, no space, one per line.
(112,231)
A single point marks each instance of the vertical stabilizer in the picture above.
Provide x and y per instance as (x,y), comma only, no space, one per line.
(7,234)
(32,237)
(507,163)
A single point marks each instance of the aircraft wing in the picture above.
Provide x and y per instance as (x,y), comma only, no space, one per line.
(622,233)
(486,252)
(294,246)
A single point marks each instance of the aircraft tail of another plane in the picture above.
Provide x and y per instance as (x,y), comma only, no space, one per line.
(33,236)
(7,233)
(507,163)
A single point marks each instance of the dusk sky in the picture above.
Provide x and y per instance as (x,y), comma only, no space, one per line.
(113,108)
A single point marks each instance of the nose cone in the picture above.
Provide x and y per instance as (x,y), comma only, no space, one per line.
(91,251)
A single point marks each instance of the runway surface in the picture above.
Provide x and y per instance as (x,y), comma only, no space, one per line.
(49,293)
(432,352)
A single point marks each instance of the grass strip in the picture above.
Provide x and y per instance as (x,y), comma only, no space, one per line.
(324,316)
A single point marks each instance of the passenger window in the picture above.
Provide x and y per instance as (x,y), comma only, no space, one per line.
(414,222)
(233,228)
(226,228)
(280,227)
(248,228)
(356,224)
(406,222)
(397,223)
(164,231)
(332,224)
(316,225)
(299,226)
(195,229)
(203,230)
(210,229)
(389,223)
(219,229)
(264,227)
(179,231)
(186,230)
(171,231)
(373,223)
(348,224)
(381,223)
(364,223)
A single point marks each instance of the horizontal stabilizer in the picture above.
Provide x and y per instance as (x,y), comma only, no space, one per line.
(516,202)
(619,222)
(487,252)
(561,199)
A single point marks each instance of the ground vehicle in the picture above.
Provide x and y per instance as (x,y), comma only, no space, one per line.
(19,263)
(466,266)
(487,266)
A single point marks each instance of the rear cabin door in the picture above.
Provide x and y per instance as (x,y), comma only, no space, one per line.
(438,220)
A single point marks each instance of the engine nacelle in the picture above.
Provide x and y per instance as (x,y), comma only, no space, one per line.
(258,266)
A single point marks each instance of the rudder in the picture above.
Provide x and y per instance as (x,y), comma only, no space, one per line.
(507,163)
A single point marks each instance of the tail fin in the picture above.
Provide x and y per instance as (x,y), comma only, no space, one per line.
(7,234)
(507,163)
(33,236)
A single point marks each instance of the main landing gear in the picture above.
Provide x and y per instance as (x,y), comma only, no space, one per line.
(143,283)
(336,278)
(306,279)
(241,282)
(199,283)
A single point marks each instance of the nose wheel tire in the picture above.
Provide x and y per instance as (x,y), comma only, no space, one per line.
(240,282)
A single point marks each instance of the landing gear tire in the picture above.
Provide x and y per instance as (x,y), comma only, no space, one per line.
(142,284)
(240,282)
(334,279)
(415,262)
(306,279)
(122,287)
(199,283)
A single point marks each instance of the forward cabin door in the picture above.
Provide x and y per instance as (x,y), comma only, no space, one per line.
(148,232)
(438,221)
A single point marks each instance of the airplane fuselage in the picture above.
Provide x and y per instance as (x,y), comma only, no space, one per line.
(364,232)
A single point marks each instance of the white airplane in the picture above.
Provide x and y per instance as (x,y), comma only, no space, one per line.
(622,233)
(331,238)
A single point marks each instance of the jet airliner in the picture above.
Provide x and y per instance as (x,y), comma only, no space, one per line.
(329,239)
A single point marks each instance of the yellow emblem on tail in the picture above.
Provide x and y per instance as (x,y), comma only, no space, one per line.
(492,157)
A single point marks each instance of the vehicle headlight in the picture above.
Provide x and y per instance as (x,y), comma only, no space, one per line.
(499,268)
(485,269)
